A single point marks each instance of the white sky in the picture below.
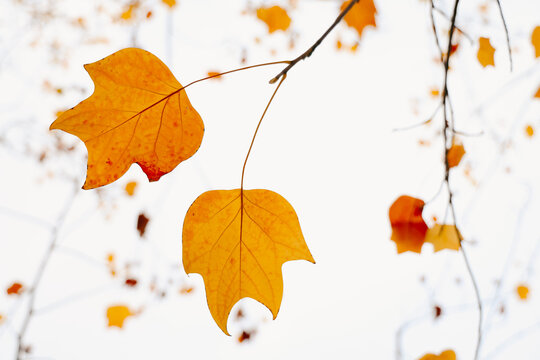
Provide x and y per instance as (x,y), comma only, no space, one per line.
(327,145)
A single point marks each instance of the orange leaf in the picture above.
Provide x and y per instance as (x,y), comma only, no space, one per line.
(443,237)
(455,153)
(116,315)
(169,3)
(238,242)
(537,95)
(523,291)
(408,226)
(445,355)
(138,113)
(275,17)
(130,188)
(216,75)
(529,130)
(361,15)
(15,289)
(535,40)
(485,52)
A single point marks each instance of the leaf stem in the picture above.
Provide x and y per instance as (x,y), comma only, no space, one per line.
(232,71)
(257,130)
(310,51)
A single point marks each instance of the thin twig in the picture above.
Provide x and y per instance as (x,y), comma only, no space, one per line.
(40,270)
(310,51)
(434,28)
(446,129)
(409,127)
(506,33)
(457,28)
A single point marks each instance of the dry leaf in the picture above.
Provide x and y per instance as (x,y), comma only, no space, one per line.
(116,315)
(408,226)
(485,52)
(535,41)
(130,188)
(245,336)
(275,17)
(361,15)
(138,113)
(142,221)
(455,153)
(15,289)
(445,355)
(537,95)
(239,244)
(131,282)
(443,237)
(522,291)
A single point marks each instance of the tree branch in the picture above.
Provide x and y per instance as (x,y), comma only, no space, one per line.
(310,51)
(446,130)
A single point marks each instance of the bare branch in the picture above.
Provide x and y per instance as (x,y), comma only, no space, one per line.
(507,36)
(310,51)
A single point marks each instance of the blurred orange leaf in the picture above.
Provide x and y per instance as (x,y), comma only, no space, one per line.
(275,17)
(408,226)
(238,241)
(186,290)
(485,52)
(529,130)
(138,113)
(455,154)
(361,15)
(116,315)
(445,355)
(443,237)
(15,289)
(130,187)
(216,75)
(537,95)
(522,291)
(535,40)
(169,3)
(127,14)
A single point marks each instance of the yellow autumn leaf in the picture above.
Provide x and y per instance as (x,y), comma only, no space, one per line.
(529,130)
(116,315)
(275,17)
(361,15)
(238,241)
(138,113)
(522,291)
(169,3)
(455,154)
(130,188)
(486,52)
(445,355)
(535,41)
(443,237)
